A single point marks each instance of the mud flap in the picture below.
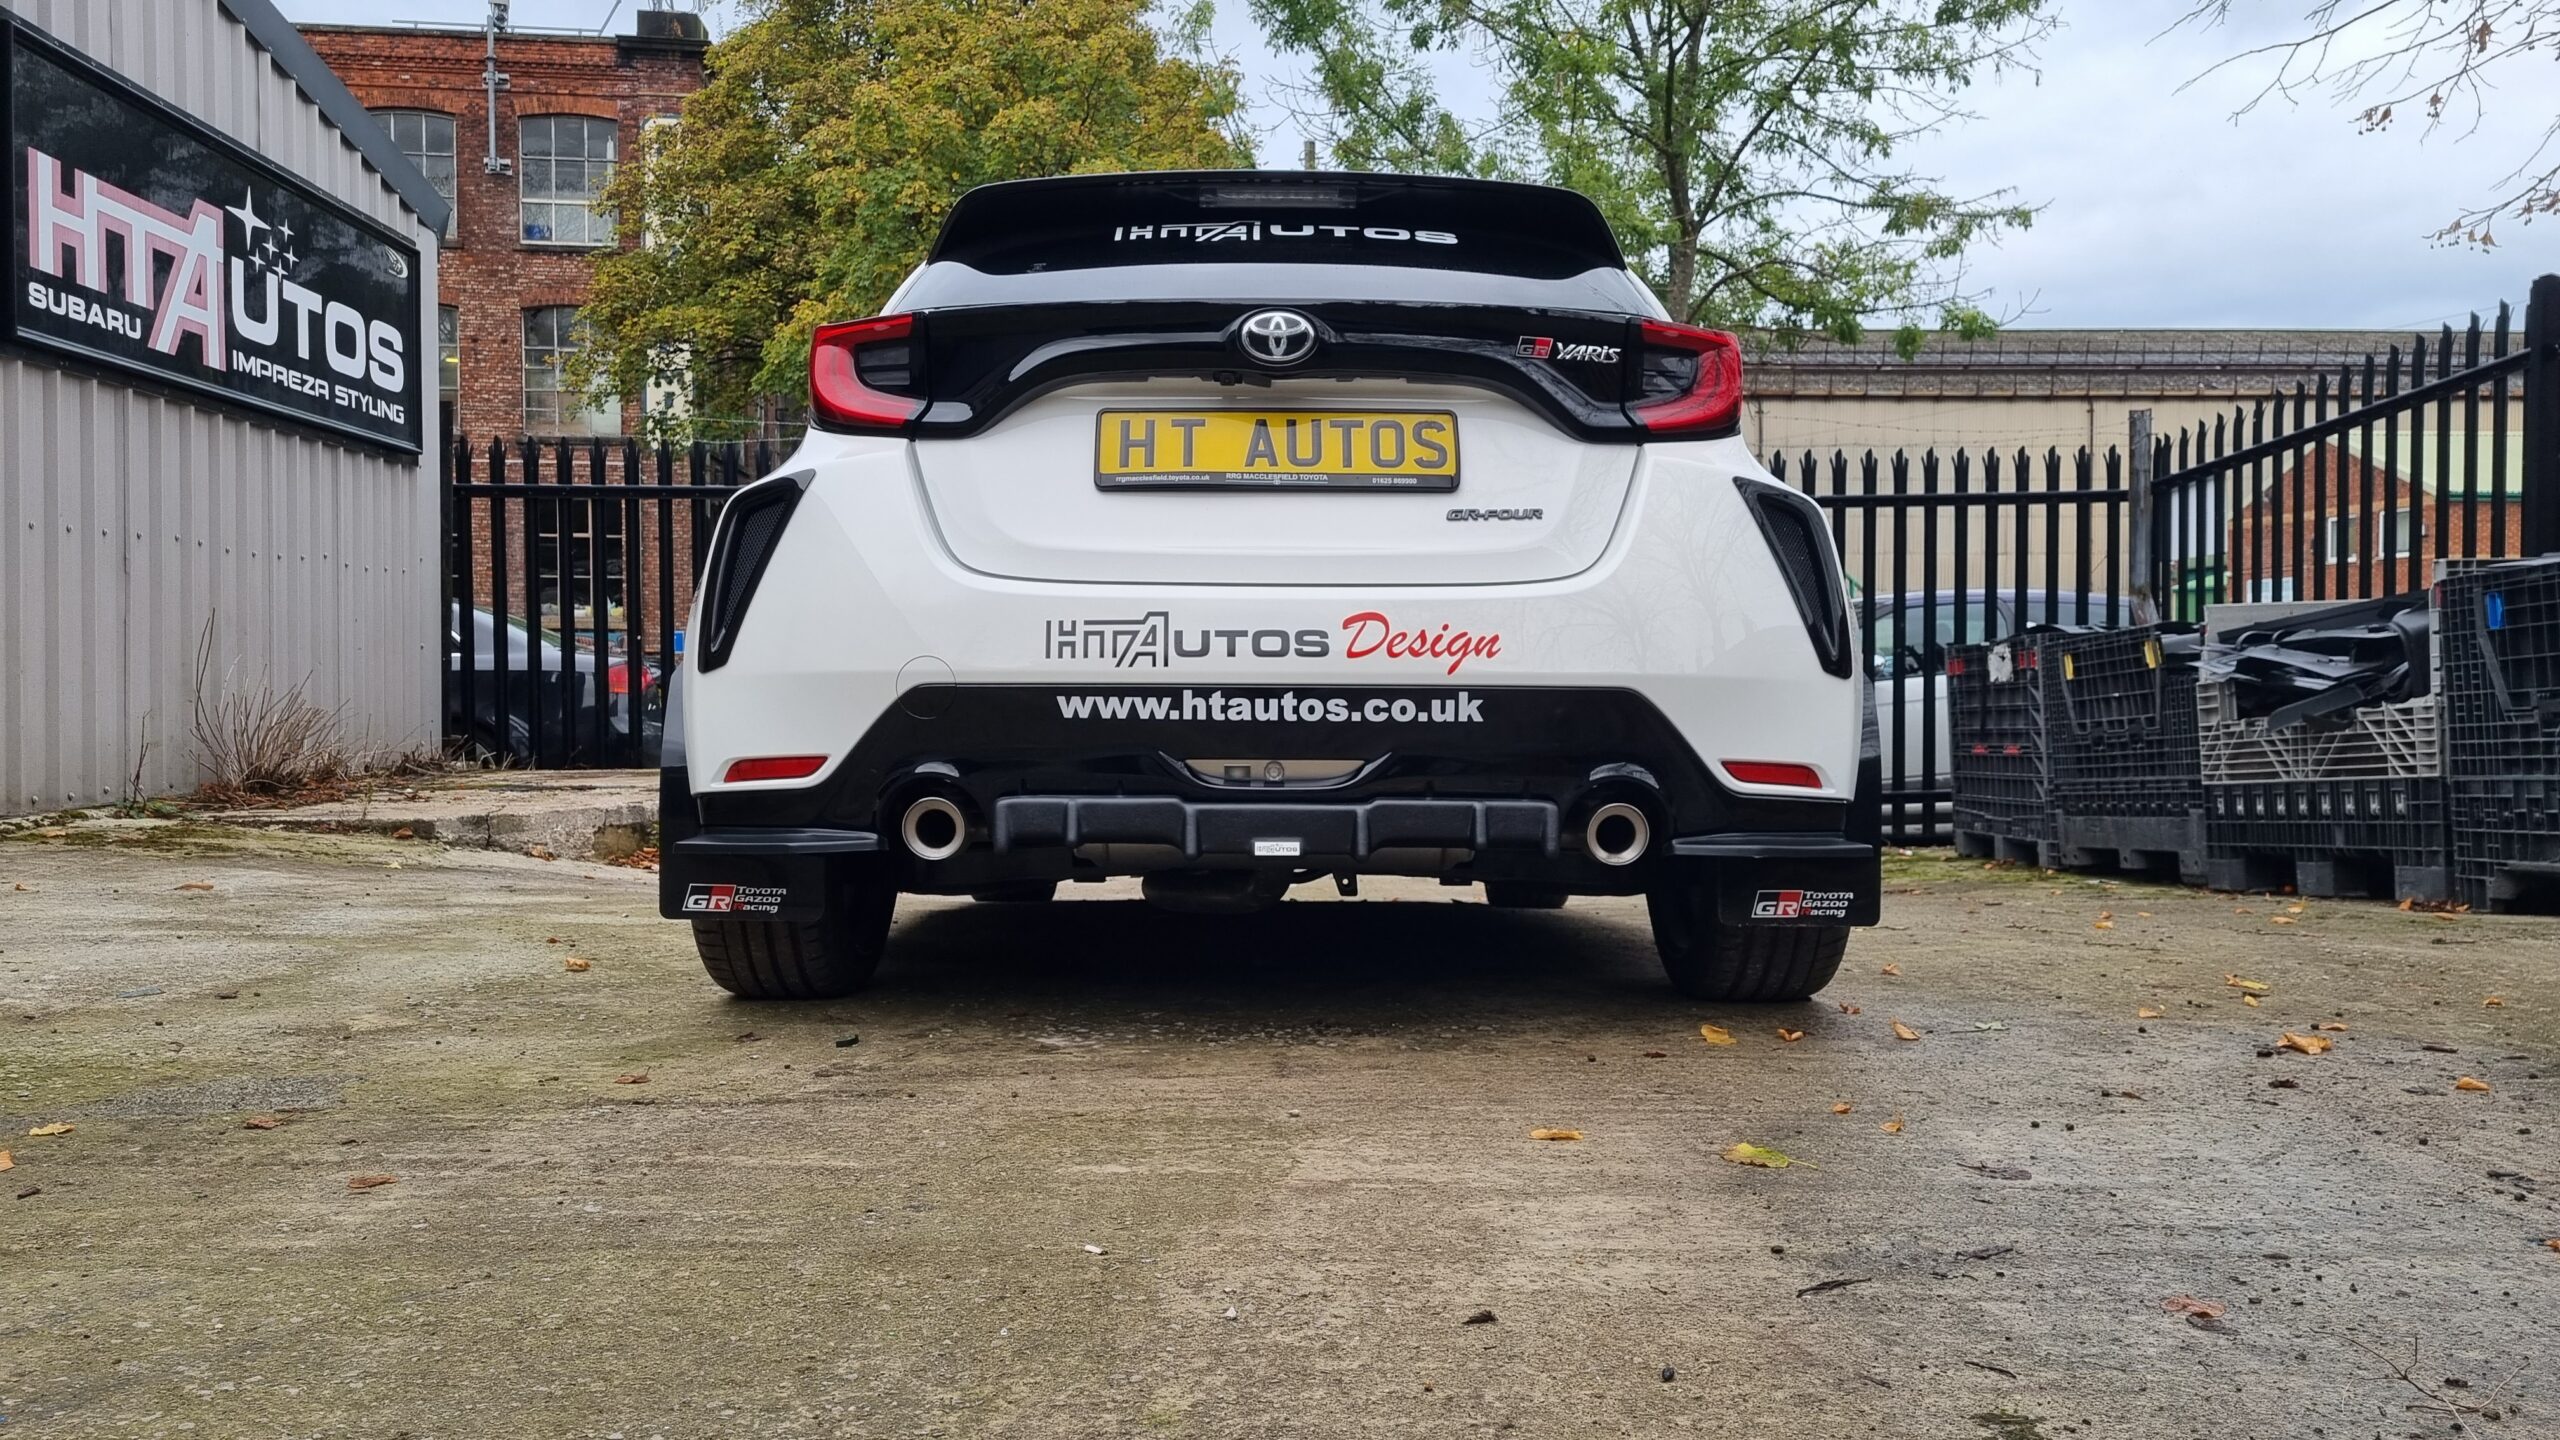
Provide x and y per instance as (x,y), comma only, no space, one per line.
(1791,879)
(758,874)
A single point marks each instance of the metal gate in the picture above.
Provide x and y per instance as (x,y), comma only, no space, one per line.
(569,568)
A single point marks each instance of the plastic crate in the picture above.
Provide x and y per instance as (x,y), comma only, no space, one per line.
(2384,836)
(2401,740)
(2125,741)
(2498,649)
(1998,697)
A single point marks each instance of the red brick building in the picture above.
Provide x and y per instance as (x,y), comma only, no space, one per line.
(526,229)
(2341,521)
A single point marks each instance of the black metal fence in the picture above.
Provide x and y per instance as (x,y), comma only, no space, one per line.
(569,567)
(2352,486)
(1950,550)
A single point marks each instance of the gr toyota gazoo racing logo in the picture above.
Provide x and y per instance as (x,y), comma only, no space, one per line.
(733,899)
(1801,905)
(1543,347)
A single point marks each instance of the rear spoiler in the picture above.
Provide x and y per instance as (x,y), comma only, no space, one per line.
(1299,217)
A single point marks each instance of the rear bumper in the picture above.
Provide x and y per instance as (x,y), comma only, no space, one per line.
(1504,796)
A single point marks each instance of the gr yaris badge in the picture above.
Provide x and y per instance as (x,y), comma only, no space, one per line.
(1276,337)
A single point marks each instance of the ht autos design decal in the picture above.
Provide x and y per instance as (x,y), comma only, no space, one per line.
(1287,707)
(1213,232)
(1152,641)
(142,242)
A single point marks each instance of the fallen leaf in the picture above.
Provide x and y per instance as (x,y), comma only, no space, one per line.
(1746,1153)
(1845,1007)
(1892,1126)
(7,1163)
(2252,987)
(551,940)
(2409,904)
(260,1122)
(1904,1032)
(2249,1000)
(540,852)
(1715,1034)
(2470,1082)
(2330,1025)
(636,1077)
(1841,1107)
(2190,1305)
(2147,1013)
(2145,914)
(2106,914)
(2552,1243)
(2296,908)
(197,885)
(55,1129)
(404,833)
(2493,1002)
(1481,1317)
(1890,970)
(2307,1044)
(1555,1134)
(370,1182)
(577,963)
(23,887)
(2279,919)
(1789,1036)
(2103,925)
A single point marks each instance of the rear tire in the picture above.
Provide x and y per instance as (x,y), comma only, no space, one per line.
(1708,959)
(1019,892)
(1524,895)
(803,959)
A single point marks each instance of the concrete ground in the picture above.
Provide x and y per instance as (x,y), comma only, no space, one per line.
(1091,1170)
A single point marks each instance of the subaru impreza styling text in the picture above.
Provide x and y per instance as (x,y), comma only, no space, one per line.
(1242,530)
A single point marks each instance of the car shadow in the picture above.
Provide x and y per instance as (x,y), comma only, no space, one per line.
(1309,956)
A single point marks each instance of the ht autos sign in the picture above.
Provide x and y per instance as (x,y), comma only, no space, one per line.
(142,240)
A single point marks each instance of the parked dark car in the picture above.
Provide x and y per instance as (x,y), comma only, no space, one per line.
(535,702)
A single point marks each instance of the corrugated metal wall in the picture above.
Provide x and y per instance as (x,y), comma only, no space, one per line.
(130,520)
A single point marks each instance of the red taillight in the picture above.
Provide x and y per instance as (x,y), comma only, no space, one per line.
(774,767)
(617,678)
(857,368)
(1691,378)
(1774,772)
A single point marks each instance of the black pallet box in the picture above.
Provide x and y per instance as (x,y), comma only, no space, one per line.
(1998,698)
(2126,784)
(2383,837)
(2498,641)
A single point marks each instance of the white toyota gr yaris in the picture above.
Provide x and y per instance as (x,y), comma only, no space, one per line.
(1241,530)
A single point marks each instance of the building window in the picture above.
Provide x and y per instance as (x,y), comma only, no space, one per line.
(448,357)
(550,407)
(2396,534)
(427,139)
(564,162)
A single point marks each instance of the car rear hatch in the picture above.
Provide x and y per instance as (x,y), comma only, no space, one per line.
(1259,380)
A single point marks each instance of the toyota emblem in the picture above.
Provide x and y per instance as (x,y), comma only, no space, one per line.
(1277,337)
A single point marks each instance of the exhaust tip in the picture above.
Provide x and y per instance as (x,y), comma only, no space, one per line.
(934,829)
(1617,834)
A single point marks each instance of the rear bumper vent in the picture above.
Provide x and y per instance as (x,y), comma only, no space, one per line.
(1793,526)
(751,526)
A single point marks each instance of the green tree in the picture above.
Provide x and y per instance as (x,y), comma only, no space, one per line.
(1743,149)
(811,171)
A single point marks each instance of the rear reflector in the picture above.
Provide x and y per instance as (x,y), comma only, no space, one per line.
(1774,772)
(774,767)
(858,369)
(1688,379)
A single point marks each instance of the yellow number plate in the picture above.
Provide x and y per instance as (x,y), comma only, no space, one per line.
(1276,450)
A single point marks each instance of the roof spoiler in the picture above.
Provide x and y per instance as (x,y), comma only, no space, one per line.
(1282,215)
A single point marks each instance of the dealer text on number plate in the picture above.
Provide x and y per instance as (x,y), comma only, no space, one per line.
(1276,449)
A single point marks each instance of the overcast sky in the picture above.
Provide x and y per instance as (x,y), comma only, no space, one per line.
(2159,208)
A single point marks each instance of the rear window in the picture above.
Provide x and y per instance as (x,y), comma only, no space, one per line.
(1265,235)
